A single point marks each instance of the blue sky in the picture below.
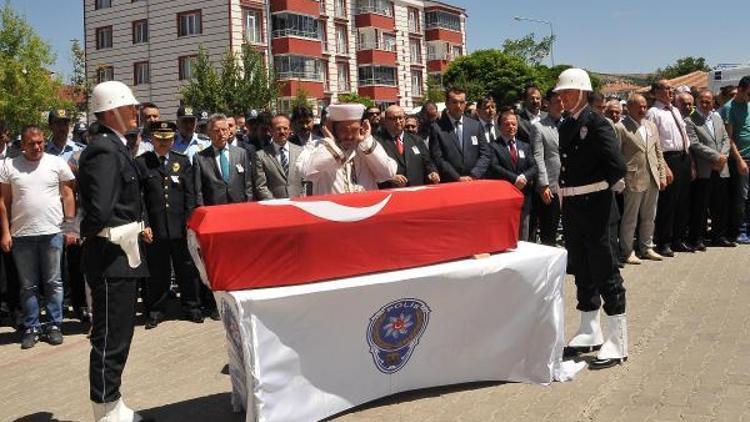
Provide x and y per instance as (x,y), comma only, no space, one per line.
(606,36)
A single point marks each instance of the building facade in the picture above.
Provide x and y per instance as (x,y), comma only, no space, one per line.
(381,49)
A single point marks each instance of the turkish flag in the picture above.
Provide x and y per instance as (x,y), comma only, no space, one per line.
(283,242)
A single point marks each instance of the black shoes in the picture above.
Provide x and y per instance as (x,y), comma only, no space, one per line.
(54,335)
(698,246)
(573,351)
(153,320)
(722,242)
(194,315)
(665,250)
(29,339)
(606,363)
(214,315)
(682,247)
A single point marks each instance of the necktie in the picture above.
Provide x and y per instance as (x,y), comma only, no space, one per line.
(400,145)
(224,161)
(677,122)
(163,162)
(490,135)
(284,161)
(459,134)
(513,152)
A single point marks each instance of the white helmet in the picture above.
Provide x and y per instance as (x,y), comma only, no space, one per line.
(573,78)
(111,95)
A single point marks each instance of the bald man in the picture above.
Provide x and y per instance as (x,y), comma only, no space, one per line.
(415,167)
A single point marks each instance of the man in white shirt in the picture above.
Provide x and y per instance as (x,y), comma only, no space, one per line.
(32,185)
(348,159)
(673,205)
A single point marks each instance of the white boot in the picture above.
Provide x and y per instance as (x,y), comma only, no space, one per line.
(115,411)
(616,346)
(590,332)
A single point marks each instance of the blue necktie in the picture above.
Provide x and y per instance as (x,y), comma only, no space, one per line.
(224,161)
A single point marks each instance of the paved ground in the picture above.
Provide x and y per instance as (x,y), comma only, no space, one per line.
(689,329)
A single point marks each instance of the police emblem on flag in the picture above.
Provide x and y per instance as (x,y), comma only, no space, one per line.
(394,332)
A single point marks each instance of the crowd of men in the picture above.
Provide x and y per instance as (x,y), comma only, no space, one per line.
(676,173)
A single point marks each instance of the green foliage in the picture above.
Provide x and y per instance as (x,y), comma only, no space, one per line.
(242,82)
(682,67)
(78,80)
(528,49)
(26,87)
(353,97)
(435,91)
(301,99)
(491,72)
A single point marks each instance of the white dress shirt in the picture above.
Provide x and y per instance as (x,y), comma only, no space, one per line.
(488,132)
(671,127)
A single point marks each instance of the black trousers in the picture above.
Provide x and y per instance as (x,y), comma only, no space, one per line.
(159,255)
(586,220)
(672,209)
(113,318)
(710,197)
(76,279)
(547,217)
(615,214)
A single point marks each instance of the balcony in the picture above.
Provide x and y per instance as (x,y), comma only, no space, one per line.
(305,7)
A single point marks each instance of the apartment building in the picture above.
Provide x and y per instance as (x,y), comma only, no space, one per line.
(382,49)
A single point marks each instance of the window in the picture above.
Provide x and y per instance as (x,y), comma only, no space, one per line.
(297,67)
(389,42)
(414,20)
(326,79)
(380,7)
(252,26)
(415,50)
(456,52)
(189,23)
(341,40)
(416,83)
(324,36)
(440,19)
(140,31)
(343,75)
(102,4)
(339,8)
(104,37)
(105,73)
(377,75)
(288,24)
(141,73)
(186,64)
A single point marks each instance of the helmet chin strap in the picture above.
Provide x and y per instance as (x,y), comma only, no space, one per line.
(120,120)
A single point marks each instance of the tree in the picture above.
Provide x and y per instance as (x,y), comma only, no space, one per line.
(259,87)
(203,92)
(353,97)
(683,66)
(528,49)
(301,99)
(27,88)
(435,92)
(78,80)
(493,72)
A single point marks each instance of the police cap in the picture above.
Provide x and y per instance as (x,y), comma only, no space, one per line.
(161,130)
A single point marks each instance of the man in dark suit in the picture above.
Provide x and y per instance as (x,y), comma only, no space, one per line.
(276,175)
(414,165)
(531,112)
(112,261)
(591,167)
(513,161)
(167,181)
(222,175)
(302,126)
(457,143)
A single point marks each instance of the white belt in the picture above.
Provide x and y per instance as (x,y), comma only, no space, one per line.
(583,190)
(126,236)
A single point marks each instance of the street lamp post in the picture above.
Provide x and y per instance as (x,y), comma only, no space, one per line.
(551,34)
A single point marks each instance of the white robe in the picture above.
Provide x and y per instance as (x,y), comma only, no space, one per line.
(331,170)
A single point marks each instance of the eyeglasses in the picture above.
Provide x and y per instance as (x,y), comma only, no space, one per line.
(396,118)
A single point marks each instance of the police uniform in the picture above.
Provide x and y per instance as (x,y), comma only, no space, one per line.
(110,196)
(196,143)
(169,199)
(590,161)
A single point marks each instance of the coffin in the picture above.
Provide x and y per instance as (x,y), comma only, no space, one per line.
(285,242)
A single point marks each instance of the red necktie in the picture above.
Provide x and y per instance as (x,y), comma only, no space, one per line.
(400,145)
(513,152)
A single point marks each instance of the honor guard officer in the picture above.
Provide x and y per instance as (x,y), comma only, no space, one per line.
(187,141)
(167,181)
(110,196)
(591,168)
